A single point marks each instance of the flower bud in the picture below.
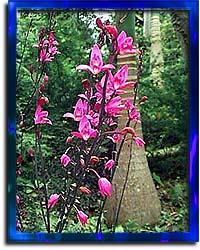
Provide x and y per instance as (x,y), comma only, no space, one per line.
(112,30)
(42,87)
(46,78)
(43,100)
(94,159)
(17,199)
(18,172)
(69,139)
(31,152)
(86,84)
(85,190)
(82,217)
(19,159)
(128,130)
(21,125)
(144,98)
(99,23)
(82,162)
(31,69)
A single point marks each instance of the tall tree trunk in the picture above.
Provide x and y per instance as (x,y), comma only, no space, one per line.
(140,201)
(156,59)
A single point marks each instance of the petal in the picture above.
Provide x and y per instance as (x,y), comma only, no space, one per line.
(107,67)
(121,38)
(69,115)
(84,67)
(96,57)
(77,134)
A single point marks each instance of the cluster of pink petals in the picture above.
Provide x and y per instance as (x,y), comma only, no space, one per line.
(114,106)
(47,48)
(139,142)
(105,187)
(80,110)
(109,164)
(82,217)
(116,136)
(134,115)
(53,200)
(85,130)
(96,62)
(125,44)
(65,160)
(41,116)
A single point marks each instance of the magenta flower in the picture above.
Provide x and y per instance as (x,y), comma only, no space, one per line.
(82,217)
(134,116)
(113,107)
(105,187)
(116,137)
(109,164)
(96,62)
(85,130)
(80,109)
(65,160)
(109,88)
(53,200)
(125,44)
(41,116)
(139,142)
(128,105)
(17,199)
(119,80)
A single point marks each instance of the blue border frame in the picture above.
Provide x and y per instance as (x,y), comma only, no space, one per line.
(193,234)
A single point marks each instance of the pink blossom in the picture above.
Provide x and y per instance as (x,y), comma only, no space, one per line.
(105,187)
(125,44)
(53,200)
(113,107)
(96,62)
(65,160)
(112,30)
(119,80)
(139,142)
(80,109)
(41,116)
(128,105)
(116,137)
(83,218)
(134,116)
(99,87)
(85,130)
(93,117)
(109,164)
(17,199)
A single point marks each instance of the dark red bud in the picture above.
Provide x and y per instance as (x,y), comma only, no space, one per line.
(46,78)
(42,87)
(144,98)
(31,152)
(69,139)
(99,23)
(97,106)
(94,159)
(31,69)
(18,172)
(112,30)
(86,83)
(43,100)
(19,159)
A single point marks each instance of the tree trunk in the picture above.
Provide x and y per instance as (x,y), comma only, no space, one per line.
(140,201)
(156,59)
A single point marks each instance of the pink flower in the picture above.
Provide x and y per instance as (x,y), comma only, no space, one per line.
(119,80)
(85,130)
(41,116)
(83,218)
(139,142)
(109,164)
(134,116)
(116,137)
(65,160)
(79,110)
(128,105)
(53,200)
(105,187)
(125,44)
(96,62)
(17,199)
(113,107)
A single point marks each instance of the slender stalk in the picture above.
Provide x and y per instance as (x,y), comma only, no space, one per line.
(124,187)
